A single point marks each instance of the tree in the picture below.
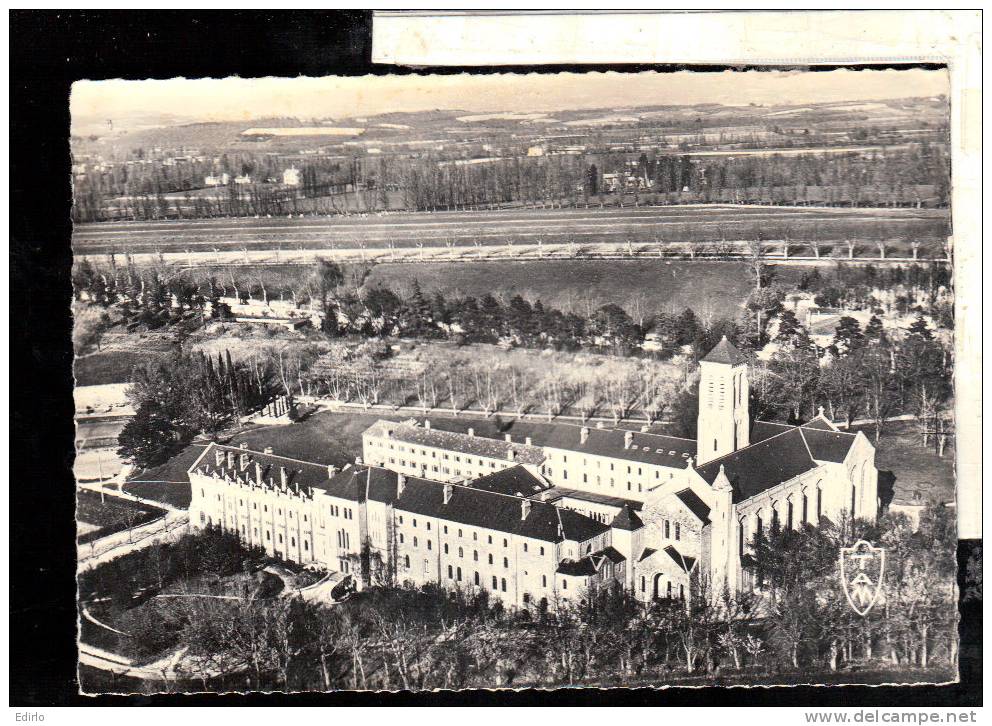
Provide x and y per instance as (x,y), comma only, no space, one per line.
(920,329)
(149,438)
(795,378)
(848,336)
(874,331)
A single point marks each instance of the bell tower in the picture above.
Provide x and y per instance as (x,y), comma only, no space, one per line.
(723,425)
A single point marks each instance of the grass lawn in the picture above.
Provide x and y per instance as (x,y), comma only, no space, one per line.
(916,469)
(109,514)
(107,367)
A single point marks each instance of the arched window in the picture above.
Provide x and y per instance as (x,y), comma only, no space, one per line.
(714,444)
(854,499)
(644,583)
(819,504)
(775,524)
(678,530)
(459,573)
(740,536)
(502,584)
(461,552)
(475,555)
(758,527)
(494,582)
(788,515)
(406,561)
(506,562)
(668,532)
(445,548)
(414,541)
(490,558)
(805,509)
(668,591)
(449,572)
(476,578)
(681,592)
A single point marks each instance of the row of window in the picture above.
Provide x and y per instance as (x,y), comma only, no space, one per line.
(759,524)
(433,453)
(204,519)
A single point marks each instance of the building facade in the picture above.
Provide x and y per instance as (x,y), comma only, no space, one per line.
(554,511)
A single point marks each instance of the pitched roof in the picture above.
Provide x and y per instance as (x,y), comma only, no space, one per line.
(725,352)
(627,519)
(646,448)
(683,561)
(557,493)
(695,505)
(590,564)
(763,465)
(268,467)
(515,480)
(761,430)
(408,432)
(489,510)
(584,566)
(825,443)
(828,445)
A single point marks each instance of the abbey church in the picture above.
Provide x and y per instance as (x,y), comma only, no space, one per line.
(547,511)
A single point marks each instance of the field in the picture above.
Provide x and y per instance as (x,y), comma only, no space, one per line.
(99,518)
(916,469)
(107,367)
(640,286)
(649,227)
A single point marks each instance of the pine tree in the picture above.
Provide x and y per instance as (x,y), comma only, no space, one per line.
(920,329)
(848,336)
(874,332)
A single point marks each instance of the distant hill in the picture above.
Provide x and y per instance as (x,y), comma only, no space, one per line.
(172,131)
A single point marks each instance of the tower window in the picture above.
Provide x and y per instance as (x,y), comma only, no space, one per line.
(714,444)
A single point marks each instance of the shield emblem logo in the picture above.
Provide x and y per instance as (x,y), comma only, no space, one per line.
(861,568)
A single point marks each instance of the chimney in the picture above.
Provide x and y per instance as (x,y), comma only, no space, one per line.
(268,449)
(599,424)
(358,461)
(511,454)
(283,478)
(389,433)
(583,434)
(628,439)
(525,508)
(400,485)
(528,441)
(258,472)
(448,491)
(244,444)
(331,471)
(689,462)
(220,457)
(471,432)
(507,438)
(243,463)
(427,424)
(645,428)
(230,459)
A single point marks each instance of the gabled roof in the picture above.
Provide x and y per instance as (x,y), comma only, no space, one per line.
(761,430)
(409,432)
(627,519)
(590,564)
(557,493)
(489,510)
(824,441)
(644,447)
(695,505)
(763,465)
(683,561)
(819,423)
(646,553)
(828,445)
(725,352)
(302,474)
(516,480)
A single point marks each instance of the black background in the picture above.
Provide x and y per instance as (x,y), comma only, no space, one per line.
(50,50)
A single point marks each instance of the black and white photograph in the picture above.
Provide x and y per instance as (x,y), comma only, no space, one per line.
(459,382)
(435,382)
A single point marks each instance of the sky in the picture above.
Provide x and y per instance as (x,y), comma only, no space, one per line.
(231,99)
